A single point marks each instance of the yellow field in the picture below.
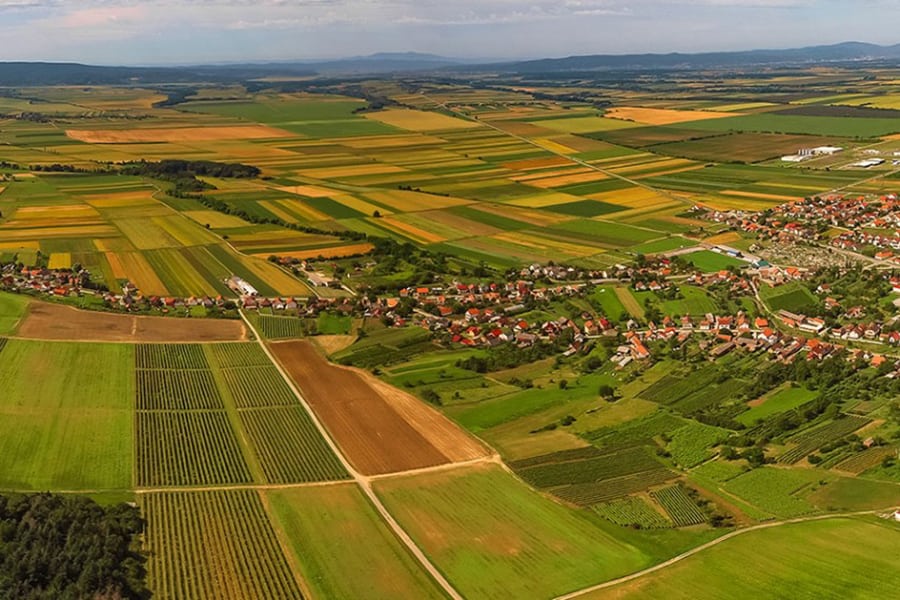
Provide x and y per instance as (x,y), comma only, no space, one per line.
(60,260)
(135,268)
(537,163)
(663,116)
(121,200)
(416,120)
(543,200)
(176,134)
(23,245)
(54,213)
(410,231)
(743,106)
(532,217)
(553,146)
(333,252)
(352,171)
(561,180)
(278,211)
(214,219)
(585,124)
(42,233)
(547,245)
(728,237)
(360,205)
(302,210)
(635,197)
(310,191)
(390,141)
(407,201)
(275,277)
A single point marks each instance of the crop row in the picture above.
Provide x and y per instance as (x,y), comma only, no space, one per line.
(709,395)
(258,386)
(176,389)
(239,355)
(631,512)
(635,433)
(680,507)
(626,462)
(2,343)
(691,444)
(289,447)
(866,459)
(170,356)
(187,448)
(557,457)
(670,389)
(282,327)
(217,544)
(585,494)
(810,441)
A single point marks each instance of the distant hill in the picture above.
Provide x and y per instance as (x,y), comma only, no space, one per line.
(847,51)
(56,73)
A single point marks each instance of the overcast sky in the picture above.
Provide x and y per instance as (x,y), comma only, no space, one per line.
(173,31)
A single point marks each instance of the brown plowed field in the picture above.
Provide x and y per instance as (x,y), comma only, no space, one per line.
(379,432)
(55,322)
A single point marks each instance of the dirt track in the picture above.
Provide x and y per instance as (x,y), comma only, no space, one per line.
(55,322)
(378,435)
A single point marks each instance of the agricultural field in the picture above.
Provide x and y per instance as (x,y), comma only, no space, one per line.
(320,523)
(790,557)
(62,427)
(526,470)
(494,537)
(247,561)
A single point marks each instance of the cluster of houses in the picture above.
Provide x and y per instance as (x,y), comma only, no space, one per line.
(39,280)
(773,229)
(840,211)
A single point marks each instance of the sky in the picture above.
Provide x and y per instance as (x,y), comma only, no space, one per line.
(132,32)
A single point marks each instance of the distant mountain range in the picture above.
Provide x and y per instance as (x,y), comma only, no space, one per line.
(46,73)
(847,51)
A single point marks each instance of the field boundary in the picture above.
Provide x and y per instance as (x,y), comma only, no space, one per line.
(710,544)
(361,480)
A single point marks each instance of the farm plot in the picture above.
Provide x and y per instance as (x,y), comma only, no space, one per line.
(866,459)
(783,400)
(773,490)
(377,432)
(794,298)
(274,328)
(494,537)
(708,261)
(188,448)
(691,444)
(787,560)
(587,475)
(56,322)
(259,386)
(633,511)
(811,440)
(176,390)
(289,447)
(322,522)
(62,426)
(216,544)
(679,505)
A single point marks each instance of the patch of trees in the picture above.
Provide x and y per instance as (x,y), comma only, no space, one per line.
(507,356)
(54,546)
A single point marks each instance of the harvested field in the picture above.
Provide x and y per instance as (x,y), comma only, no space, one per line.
(377,432)
(663,116)
(176,134)
(54,322)
(416,120)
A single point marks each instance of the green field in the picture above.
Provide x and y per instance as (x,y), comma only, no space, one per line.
(708,261)
(61,426)
(323,523)
(495,538)
(12,309)
(853,127)
(833,558)
(783,400)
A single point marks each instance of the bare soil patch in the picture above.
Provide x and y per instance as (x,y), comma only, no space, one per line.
(47,321)
(374,434)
